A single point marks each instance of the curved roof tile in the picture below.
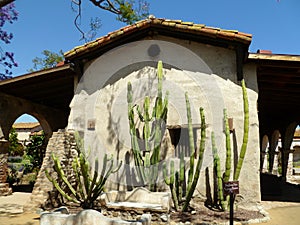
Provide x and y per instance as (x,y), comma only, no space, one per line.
(171,25)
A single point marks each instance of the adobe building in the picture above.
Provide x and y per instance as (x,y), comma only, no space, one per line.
(88,94)
(205,62)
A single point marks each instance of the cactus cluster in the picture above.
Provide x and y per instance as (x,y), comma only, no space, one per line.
(222,200)
(147,160)
(182,191)
(88,186)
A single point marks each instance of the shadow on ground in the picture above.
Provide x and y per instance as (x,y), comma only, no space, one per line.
(273,188)
(22,188)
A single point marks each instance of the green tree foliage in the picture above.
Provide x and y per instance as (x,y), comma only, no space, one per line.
(126,11)
(35,150)
(49,60)
(15,148)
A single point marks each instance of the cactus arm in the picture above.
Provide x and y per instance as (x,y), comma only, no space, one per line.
(62,175)
(138,161)
(246,131)
(75,166)
(94,180)
(228,148)
(181,177)
(159,76)
(165,174)
(218,170)
(56,185)
(191,141)
(170,181)
(104,176)
(84,167)
(199,163)
(146,136)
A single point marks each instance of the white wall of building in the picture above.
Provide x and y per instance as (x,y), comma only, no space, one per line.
(206,72)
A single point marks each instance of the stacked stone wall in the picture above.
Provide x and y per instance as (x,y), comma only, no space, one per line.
(4,187)
(44,195)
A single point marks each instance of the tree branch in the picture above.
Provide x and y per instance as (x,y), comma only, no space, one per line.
(106,5)
(5,2)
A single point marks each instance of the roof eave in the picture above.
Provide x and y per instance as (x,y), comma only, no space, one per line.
(142,29)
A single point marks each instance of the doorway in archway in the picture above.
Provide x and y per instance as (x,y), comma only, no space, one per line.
(25,153)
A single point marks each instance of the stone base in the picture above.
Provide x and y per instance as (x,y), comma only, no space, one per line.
(5,189)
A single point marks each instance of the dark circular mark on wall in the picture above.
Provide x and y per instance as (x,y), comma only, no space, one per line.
(153,50)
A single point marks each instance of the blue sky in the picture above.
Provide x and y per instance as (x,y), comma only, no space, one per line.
(48,24)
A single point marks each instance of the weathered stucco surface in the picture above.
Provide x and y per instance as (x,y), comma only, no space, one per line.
(207,73)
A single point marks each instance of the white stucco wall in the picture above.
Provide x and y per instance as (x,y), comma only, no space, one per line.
(207,73)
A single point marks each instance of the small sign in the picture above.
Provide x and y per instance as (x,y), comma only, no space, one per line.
(91,124)
(231,187)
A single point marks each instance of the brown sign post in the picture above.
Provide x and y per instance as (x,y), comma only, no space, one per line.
(231,188)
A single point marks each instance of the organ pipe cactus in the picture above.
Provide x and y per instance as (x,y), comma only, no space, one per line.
(88,186)
(147,165)
(227,173)
(246,132)
(181,200)
(218,174)
(228,148)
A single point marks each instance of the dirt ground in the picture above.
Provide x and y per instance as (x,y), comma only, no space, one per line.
(279,216)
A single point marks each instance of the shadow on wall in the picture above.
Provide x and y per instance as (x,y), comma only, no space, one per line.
(273,188)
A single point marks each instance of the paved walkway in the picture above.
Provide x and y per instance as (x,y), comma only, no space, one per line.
(13,204)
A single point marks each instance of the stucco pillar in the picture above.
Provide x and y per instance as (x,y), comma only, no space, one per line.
(289,171)
(275,164)
(287,140)
(273,148)
(264,157)
(4,187)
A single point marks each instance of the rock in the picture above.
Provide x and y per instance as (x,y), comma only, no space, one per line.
(164,217)
(145,219)
(53,219)
(62,210)
(88,217)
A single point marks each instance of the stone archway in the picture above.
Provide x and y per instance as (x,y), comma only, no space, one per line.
(10,109)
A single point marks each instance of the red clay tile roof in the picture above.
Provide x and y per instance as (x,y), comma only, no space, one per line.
(25,125)
(171,25)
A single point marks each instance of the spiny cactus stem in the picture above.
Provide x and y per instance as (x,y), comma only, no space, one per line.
(246,131)
(199,163)
(228,148)
(218,169)
(191,141)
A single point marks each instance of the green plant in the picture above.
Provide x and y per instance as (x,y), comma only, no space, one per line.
(15,148)
(35,150)
(89,185)
(246,132)
(147,165)
(176,180)
(222,200)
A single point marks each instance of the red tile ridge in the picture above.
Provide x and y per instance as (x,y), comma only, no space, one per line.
(201,29)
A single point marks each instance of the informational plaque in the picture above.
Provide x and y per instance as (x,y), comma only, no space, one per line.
(231,187)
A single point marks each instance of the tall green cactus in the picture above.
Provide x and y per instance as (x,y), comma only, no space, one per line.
(170,180)
(181,200)
(246,132)
(218,174)
(87,187)
(228,149)
(223,203)
(147,165)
